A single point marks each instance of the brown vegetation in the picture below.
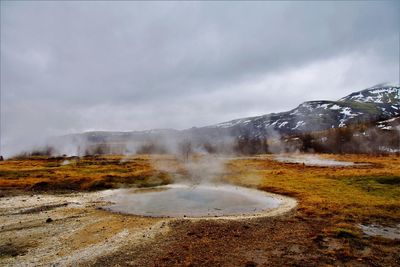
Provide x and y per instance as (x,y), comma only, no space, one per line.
(361,192)
(86,173)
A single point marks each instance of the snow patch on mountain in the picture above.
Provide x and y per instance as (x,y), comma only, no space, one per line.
(381,93)
(375,103)
(335,107)
(299,124)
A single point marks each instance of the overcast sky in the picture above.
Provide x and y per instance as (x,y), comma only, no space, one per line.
(78,66)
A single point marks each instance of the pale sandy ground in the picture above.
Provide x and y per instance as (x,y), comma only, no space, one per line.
(79,231)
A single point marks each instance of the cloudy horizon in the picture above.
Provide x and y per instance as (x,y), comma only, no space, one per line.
(70,67)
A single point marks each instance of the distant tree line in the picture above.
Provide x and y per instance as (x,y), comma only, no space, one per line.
(246,145)
(358,138)
(354,139)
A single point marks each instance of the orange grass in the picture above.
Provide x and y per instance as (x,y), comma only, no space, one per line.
(357,193)
(87,173)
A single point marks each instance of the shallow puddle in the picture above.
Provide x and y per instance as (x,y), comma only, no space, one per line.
(378,230)
(179,200)
(311,160)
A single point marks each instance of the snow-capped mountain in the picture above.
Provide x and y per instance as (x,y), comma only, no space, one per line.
(377,103)
(372,105)
(370,117)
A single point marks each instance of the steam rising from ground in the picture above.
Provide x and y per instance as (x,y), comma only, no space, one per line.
(205,169)
(186,161)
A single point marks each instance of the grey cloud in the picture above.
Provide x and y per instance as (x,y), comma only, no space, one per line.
(76,66)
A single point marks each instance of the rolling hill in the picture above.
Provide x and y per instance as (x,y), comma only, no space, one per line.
(378,103)
(367,114)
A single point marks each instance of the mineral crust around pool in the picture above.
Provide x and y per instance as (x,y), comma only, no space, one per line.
(198,201)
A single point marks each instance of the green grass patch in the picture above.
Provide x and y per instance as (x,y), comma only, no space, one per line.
(383,186)
(365,107)
(16,174)
(345,233)
(52,164)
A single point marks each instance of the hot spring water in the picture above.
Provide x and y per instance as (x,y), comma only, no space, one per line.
(180,200)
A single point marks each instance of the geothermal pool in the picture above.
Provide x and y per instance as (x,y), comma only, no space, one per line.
(312,160)
(180,200)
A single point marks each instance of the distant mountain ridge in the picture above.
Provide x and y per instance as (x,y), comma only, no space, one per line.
(377,103)
(372,105)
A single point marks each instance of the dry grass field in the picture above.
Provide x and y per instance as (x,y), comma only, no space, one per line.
(356,193)
(86,173)
(323,230)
